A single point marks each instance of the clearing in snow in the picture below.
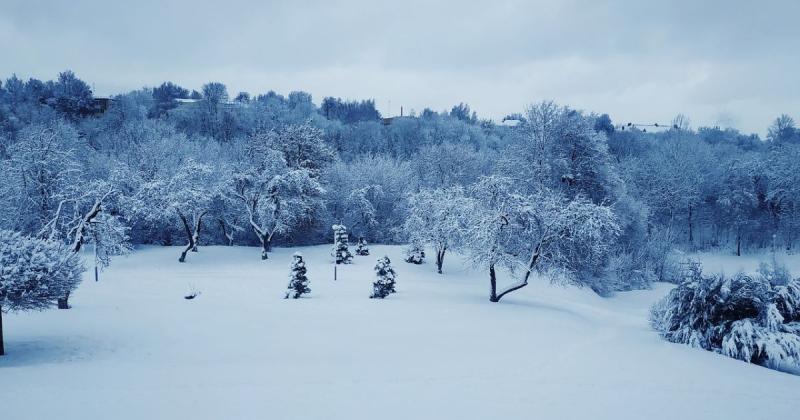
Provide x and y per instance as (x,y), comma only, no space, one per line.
(133,348)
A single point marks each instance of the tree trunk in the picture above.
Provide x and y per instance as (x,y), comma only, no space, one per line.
(225,233)
(193,236)
(2,349)
(440,260)
(691,227)
(189,235)
(264,246)
(493,284)
(196,235)
(188,248)
(531,264)
(63,303)
(738,243)
(80,234)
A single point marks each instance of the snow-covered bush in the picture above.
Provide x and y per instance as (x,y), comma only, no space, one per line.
(340,249)
(384,283)
(743,317)
(362,248)
(774,272)
(298,281)
(787,301)
(415,254)
(34,273)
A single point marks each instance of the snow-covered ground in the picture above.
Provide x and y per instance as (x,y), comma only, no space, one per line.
(729,264)
(133,348)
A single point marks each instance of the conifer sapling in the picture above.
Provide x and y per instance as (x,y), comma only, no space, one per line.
(415,254)
(362,248)
(298,281)
(340,248)
(385,279)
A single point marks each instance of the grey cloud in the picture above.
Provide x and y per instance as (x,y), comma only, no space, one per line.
(633,59)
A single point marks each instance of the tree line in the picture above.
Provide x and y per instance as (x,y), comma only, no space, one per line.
(561,190)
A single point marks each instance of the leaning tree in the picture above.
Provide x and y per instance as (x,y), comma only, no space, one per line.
(556,234)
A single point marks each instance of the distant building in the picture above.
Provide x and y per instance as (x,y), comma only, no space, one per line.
(101,104)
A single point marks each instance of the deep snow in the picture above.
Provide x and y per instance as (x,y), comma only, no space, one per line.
(133,348)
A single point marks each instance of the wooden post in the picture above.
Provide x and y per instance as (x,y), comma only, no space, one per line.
(96,277)
(2,349)
(334,273)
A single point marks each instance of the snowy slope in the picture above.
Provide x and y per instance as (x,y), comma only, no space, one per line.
(133,348)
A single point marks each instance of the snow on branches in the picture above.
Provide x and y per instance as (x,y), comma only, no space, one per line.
(34,273)
(385,279)
(188,193)
(362,248)
(298,281)
(415,254)
(276,196)
(747,318)
(340,248)
(437,217)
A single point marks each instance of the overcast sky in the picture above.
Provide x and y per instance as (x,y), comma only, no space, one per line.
(730,63)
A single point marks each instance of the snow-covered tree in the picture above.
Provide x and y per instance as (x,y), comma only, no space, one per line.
(298,281)
(54,188)
(302,146)
(368,194)
(437,217)
(783,195)
(415,253)
(743,317)
(497,220)
(362,248)
(738,199)
(276,197)
(556,234)
(360,208)
(83,219)
(43,165)
(188,193)
(672,180)
(340,248)
(34,273)
(385,279)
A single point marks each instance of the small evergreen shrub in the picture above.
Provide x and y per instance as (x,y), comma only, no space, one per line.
(362,248)
(747,318)
(298,281)
(340,248)
(385,281)
(415,254)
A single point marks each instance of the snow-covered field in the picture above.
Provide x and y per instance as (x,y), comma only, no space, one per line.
(133,348)
(729,264)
